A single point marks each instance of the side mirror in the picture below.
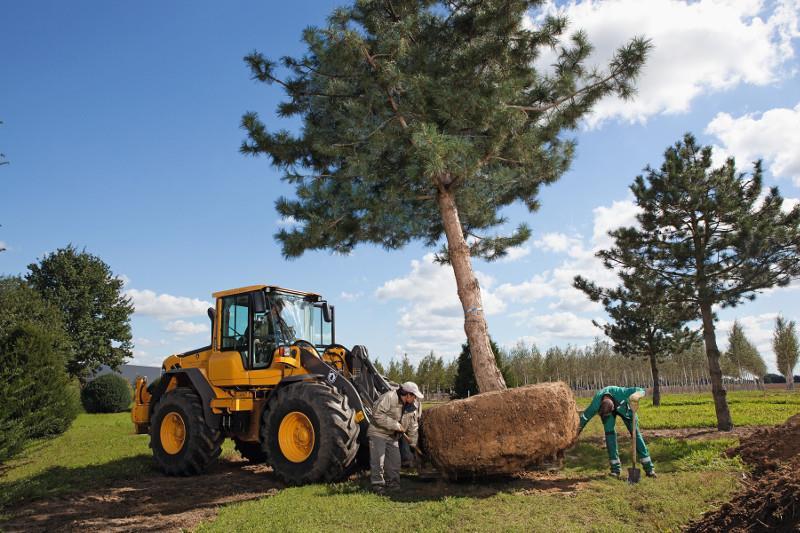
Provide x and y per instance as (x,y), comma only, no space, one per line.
(212,314)
(327,312)
(259,302)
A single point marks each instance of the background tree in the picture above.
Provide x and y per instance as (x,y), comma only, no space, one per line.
(784,343)
(644,322)
(393,372)
(742,357)
(464,382)
(93,307)
(422,120)
(38,397)
(706,236)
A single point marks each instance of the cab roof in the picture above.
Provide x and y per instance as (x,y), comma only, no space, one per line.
(268,288)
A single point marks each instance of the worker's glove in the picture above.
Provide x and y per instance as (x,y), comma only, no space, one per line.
(636,396)
(399,428)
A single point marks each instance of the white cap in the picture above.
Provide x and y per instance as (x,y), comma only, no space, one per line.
(410,386)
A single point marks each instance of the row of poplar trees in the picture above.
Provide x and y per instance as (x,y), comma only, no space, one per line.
(423,119)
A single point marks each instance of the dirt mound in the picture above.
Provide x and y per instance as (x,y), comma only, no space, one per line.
(771,501)
(767,448)
(501,432)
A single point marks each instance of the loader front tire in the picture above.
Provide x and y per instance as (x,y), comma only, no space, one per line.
(310,433)
(182,442)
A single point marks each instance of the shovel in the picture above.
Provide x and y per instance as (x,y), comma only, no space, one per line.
(634,474)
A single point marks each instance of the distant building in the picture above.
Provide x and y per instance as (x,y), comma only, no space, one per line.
(130,372)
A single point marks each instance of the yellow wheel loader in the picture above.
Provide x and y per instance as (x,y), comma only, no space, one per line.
(274,380)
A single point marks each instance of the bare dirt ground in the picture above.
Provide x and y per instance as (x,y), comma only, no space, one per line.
(152,503)
(160,503)
(770,500)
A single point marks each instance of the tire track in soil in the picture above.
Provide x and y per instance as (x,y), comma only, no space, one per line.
(153,503)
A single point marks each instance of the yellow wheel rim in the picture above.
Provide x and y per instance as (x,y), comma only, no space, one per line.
(173,433)
(296,437)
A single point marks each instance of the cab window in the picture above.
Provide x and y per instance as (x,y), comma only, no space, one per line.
(235,324)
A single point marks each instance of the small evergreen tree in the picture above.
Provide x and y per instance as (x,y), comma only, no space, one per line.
(464,383)
(422,121)
(707,237)
(93,307)
(644,322)
(38,397)
(784,343)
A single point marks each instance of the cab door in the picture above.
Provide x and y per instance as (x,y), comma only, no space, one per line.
(228,366)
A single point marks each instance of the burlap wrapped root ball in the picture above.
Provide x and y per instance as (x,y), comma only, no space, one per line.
(501,432)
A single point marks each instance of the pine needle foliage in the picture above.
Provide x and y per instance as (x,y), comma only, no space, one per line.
(710,238)
(402,98)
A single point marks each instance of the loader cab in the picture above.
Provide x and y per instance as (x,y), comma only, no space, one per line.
(256,322)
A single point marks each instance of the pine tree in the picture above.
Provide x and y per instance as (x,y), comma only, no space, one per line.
(742,357)
(784,343)
(706,236)
(644,322)
(421,120)
(464,382)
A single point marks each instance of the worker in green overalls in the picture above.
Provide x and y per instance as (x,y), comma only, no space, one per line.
(611,402)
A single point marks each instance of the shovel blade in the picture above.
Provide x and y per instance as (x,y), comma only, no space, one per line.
(634,475)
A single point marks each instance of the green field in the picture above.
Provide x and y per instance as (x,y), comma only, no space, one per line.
(99,449)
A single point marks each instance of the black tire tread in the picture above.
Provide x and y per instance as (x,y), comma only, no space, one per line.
(203,443)
(338,433)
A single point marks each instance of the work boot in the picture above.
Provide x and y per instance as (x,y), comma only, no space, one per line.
(651,473)
(614,474)
(378,489)
(393,486)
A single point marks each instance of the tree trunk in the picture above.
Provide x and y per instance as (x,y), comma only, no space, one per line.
(789,378)
(656,384)
(724,422)
(487,375)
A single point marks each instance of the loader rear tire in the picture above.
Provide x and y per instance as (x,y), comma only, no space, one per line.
(310,433)
(251,451)
(182,442)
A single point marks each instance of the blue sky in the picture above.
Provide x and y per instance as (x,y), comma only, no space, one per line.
(121,125)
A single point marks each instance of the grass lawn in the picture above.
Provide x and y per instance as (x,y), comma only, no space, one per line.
(96,448)
(748,408)
(693,478)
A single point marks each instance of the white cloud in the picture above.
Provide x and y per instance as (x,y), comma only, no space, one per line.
(182,328)
(166,306)
(350,296)
(515,254)
(557,328)
(556,284)
(432,316)
(3,245)
(621,213)
(287,222)
(773,136)
(126,281)
(558,242)
(700,47)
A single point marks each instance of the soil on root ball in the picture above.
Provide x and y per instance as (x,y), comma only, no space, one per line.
(500,432)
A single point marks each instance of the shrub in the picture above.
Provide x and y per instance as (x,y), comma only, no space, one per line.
(109,393)
(38,397)
(40,400)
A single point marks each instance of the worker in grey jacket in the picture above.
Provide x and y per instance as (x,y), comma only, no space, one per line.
(395,415)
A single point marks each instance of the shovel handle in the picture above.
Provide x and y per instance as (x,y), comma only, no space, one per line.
(633,435)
